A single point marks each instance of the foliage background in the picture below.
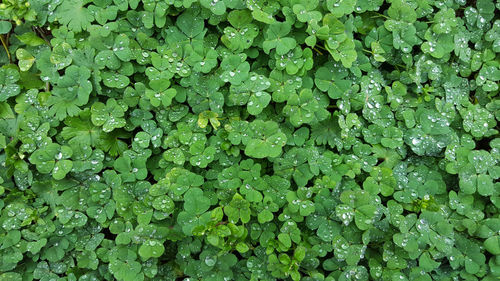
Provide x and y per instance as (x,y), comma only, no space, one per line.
(249,140)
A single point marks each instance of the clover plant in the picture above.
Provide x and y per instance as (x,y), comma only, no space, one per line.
(210,140)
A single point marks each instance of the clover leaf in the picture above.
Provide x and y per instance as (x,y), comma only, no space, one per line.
(108,115)
(151,249)
(238,209)
(195,202)
(267,141)
(70,92)
(478,121)
(276,38)
(340,8)
(26,60)
(8,86)
(249,140)
(331,78)
(239,38)
(304,108)
(74,15)
(364,212)
(53,159)
(5,27)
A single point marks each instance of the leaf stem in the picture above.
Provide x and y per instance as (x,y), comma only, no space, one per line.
(379,15)
(40,31)
(5,46)
(321,47)
(314,48)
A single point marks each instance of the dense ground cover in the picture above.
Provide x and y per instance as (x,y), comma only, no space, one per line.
(249,140)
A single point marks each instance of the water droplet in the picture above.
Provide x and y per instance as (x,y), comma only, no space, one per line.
(210,261)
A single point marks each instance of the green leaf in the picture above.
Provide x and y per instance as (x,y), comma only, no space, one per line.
(195,202)
(492,245)
(275,38)
(31,39)
(25,59)
(427,263)
(331,81)
(115,80)
(285,240)
(5,27)
(151,249)
(8,85)
(340,8)
(108,116)
(121,47)
(216,7)
(269,142)
(61,168)
(257,102)
(238,209)
(242,247)
(265,216)
(72,14)
(190,24)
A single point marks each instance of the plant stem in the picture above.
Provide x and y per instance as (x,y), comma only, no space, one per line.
(40,31)
(321,47)
(314,48)
(5,46)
